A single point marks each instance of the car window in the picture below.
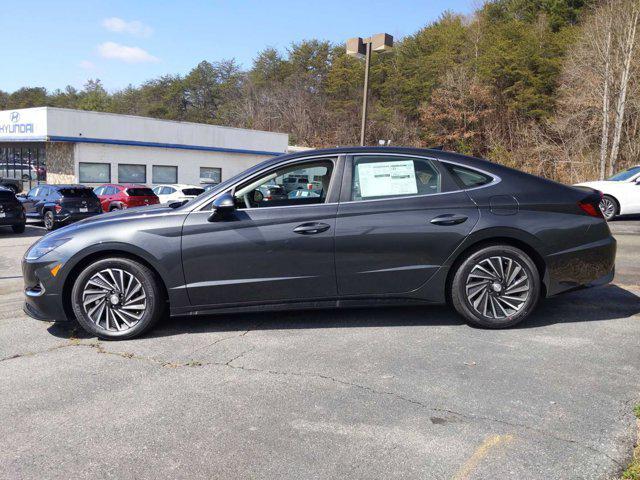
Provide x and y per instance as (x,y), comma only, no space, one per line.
(389,176)
(98,190)
(279,187)
(169,190)
(139,192)
(33,192)
(625,175)
(76,193)
(467,177)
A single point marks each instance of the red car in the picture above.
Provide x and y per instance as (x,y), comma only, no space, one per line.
(118,196)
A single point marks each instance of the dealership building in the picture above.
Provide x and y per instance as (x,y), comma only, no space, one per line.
(57,145)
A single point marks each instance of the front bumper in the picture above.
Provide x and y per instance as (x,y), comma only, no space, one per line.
(43,294)
(588,265)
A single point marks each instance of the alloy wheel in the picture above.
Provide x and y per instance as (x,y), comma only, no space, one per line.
(498,287)
(608,208)
(114,299)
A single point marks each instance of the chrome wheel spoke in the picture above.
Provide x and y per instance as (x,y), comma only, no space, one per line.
(114,299)
(498,287)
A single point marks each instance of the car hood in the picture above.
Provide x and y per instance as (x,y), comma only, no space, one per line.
(118,216)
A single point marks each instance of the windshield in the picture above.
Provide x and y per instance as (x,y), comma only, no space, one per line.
(626,175)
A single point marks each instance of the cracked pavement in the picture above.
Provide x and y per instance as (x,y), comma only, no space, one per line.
(365,393)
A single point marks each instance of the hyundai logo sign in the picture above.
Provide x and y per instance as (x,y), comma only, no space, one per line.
(14,126)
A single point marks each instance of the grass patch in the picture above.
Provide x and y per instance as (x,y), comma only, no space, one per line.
(633,470)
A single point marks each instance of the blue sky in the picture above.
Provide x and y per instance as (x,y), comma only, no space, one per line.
(65,42)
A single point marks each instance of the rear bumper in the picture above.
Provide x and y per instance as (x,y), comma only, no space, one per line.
(73,217)
(584,266)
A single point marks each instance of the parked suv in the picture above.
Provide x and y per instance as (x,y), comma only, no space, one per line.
(11,211)
(56,205)
(118,196)
(176,192)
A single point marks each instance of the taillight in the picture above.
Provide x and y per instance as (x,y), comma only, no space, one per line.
(58,208)
(591,209)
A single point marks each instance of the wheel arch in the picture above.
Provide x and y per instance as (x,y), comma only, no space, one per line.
(99,255)
(519,240)
(615,199)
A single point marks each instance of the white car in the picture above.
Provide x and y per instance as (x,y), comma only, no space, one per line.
(621,193)
(176,192)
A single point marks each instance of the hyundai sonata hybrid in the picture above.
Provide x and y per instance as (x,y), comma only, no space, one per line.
(389,226)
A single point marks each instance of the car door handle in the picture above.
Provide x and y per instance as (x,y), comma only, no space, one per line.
(449,219)
(311,228)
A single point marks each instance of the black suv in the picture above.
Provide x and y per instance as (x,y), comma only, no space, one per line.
(11,211)
(60,204)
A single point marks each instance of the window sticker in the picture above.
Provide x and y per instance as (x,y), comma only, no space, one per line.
(380,179)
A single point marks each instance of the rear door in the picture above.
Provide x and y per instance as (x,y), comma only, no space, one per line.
(399,219)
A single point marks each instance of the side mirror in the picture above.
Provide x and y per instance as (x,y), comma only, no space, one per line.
(224,205)
(21,195)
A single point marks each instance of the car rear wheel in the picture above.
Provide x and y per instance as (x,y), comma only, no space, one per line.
(496,287)
(609,207)
(18,228)
(117,298)
(49,220)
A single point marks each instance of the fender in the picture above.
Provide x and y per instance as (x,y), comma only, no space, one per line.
(176,297)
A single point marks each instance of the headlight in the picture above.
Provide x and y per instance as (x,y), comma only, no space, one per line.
(44,246)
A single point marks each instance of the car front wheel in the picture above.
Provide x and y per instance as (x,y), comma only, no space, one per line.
(609,207)
(117,298)
(496,286)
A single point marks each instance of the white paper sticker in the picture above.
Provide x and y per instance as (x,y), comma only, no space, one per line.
(381,179)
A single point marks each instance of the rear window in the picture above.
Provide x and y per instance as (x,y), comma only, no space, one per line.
(140,192)
(276,190)
(6,194)
(76,192)
(468,178)
(192,191)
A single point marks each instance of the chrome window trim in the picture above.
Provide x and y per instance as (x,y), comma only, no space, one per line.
(495,181)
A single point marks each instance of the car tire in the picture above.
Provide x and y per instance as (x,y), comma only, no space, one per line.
(18,228)
(49,220)
(496,286)
(117,320)
(609,207)
(114,207)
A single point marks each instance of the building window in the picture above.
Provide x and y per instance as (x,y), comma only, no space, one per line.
(164,174)
(210,175)
(128,173)
(94,172)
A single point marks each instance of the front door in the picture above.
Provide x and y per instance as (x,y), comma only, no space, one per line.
(400,219)
(275,247)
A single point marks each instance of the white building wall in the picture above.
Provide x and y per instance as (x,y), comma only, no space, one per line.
(187,161)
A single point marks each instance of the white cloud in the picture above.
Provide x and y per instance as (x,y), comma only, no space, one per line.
(87,65)
(118,25)
(127,54)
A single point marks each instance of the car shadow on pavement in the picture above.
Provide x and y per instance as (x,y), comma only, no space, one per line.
(29,231)
(598,304)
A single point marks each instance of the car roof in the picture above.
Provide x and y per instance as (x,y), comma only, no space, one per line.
(61,186)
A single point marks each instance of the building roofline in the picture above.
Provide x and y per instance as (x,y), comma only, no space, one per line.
(144,118)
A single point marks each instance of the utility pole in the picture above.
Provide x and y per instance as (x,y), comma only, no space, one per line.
(359,48)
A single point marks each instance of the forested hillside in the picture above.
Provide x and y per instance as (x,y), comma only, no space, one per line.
(549,86)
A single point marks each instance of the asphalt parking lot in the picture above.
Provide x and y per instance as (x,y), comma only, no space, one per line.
(368,393)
